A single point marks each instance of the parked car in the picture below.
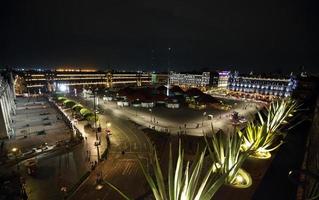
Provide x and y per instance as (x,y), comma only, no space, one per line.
(37,150)
(48,147)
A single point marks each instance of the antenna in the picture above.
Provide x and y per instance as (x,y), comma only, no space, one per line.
(168,71)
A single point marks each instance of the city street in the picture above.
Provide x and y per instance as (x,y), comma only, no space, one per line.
(120,169)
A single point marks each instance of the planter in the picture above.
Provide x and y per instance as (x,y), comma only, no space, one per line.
(242,180)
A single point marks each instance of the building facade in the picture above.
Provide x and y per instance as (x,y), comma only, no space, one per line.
(38,81)
(7,107)
(203,79)
(277,87)
(223,80)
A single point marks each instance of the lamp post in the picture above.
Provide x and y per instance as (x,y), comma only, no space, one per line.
(15,151)
(204,114)
(97,142)
(150,113)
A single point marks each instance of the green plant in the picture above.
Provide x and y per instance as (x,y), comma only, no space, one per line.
(85,111)
(225,152)
(264,136)
(77,107)
(90,117)
(189,183)
(62,98)
(258,140)
(69,103)
(277,114)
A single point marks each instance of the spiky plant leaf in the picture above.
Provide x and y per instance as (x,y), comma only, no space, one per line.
(188,183)
(265,133)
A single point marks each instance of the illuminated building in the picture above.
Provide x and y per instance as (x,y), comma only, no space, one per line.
(275,87)
(7,107)
(159,79)
(51,80)
(223,79)
(190,79)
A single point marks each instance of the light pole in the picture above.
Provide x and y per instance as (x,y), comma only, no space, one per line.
(150,113)
(204,114)
(15,151)
(97,142)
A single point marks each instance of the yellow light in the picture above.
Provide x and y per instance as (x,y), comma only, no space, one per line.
(99,187)
(108,124)
(261,154)
(239,179)
(14,149)
(242,179)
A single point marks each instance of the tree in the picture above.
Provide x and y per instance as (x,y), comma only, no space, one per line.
(69,103)
(77,107)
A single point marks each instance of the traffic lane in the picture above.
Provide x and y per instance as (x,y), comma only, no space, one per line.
(137,139)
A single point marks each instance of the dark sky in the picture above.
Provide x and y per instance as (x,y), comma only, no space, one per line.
(135,34)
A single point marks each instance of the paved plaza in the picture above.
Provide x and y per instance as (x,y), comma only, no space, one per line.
(36,122)
(185,120)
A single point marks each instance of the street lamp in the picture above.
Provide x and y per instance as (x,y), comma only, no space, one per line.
(204,114)
(97,142)
(150,113)
(15,151)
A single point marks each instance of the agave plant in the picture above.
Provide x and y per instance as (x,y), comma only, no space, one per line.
(225,151)
(263,137)
(277,114)
(258,140)
(189,182)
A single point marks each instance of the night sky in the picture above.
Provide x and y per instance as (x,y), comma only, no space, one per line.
(272,35)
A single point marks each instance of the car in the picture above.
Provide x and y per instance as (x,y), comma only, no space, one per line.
(48,147)
(37,150)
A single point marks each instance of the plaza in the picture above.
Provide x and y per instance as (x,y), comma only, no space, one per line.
(36,122)
(185,120)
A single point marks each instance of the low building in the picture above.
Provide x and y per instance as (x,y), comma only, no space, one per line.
(173,103)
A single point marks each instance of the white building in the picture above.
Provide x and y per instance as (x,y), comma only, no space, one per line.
(190,79)
(7,108)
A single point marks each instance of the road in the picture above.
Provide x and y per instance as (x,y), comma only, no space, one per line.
(122,170)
